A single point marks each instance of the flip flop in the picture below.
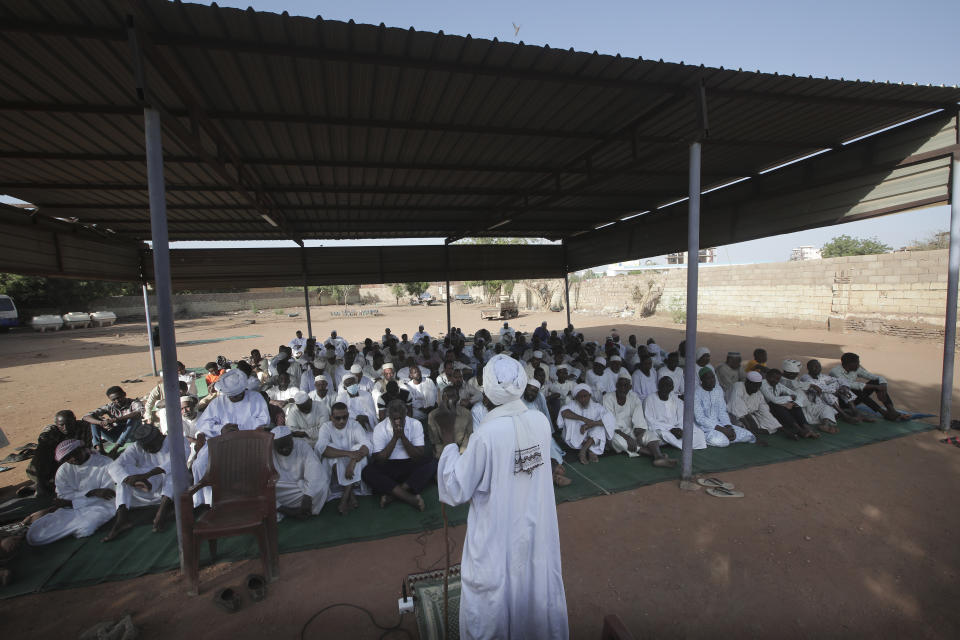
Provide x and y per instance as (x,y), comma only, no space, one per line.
(954,440)
(714,482)
(227,599)
(256,587)
(720,492)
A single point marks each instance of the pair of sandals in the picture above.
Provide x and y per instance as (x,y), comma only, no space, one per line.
(720,489)
(228,599)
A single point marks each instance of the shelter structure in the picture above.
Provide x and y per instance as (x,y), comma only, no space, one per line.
(128,122)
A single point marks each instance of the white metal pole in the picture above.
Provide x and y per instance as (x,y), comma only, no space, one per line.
(168,342)
(950,325)
(146,313)
(693,263)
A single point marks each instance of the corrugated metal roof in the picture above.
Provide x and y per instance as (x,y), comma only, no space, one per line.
(361,131)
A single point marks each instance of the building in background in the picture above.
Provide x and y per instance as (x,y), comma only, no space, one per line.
(706,256)
(805,252)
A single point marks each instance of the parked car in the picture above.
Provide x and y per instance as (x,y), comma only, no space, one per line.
(465,298)
(8,313)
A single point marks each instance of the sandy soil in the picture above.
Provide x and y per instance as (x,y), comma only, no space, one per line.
(852,544)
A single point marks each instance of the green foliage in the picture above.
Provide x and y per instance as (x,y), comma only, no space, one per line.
(935,240)
(254,307)
(398,290)
(491,287)
(416,288)
(279,312)
(589,274)
(34,292)
(678,310)
(339,292)
(848,246)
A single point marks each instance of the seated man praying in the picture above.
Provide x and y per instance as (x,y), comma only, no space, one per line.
(785,405)
(586,424)
(343,447)
(710,413)
(401,467)
(302,487)
(663,412)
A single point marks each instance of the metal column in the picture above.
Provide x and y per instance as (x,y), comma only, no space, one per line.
(693,263)
(446,274)
(168,342)
(146,313)
(566,293)
(950,325)
(306,290)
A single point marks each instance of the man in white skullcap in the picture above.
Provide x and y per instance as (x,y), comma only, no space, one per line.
(644,379)
(420,335)
(703,358)
(343,447)
(631,434)
(304,417)
(586,424)
(302,487)
(85,495)
(323,391)
(512,584)
(710,413)
(815,410)
(663,412)
(730,372)
(361,404)
(298,343)
(600,379)
(671,369)
(748,408)
(356,370)
(786,405)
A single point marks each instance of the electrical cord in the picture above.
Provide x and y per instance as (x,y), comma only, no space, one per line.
(386,630)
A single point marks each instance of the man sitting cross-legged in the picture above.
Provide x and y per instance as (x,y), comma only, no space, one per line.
(785,405)
(864,384)
(730,372)
(302,487)
(749,409)
(114,421)
(304,417)
(43,466)
(710,413)
(663,412)
(85,496)
(401,466)
(144,479)
(815,410)
(631,435)
(829,390)
(586,424)
(343,447)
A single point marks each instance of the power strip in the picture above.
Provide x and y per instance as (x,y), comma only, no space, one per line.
(405,605)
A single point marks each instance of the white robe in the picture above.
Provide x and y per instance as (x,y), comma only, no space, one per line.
(644,385)
(423,396)
(86,514)
(815,409)
(593,411)
(662,416)
(709,411)
(135,460)
(350,438)
(628,416)
(676,375)
(300,474)
(328,400)
(309,423)
(511,579)
(743,404)
(361,404)
(250,413)
(601,384)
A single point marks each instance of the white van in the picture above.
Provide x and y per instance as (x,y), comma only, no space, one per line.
(8,313)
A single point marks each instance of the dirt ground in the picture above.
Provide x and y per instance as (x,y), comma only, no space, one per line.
(858,543)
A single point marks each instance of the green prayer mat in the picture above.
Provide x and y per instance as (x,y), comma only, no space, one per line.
(75,563)
(427,591)
(209,340)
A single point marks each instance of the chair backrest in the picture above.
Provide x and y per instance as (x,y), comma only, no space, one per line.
(241,465)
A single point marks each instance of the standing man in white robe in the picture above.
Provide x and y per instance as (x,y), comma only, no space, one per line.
(710,413)
(343,447)
(85,495)
(664,414)
(511,578)
(586,424)
(302,487)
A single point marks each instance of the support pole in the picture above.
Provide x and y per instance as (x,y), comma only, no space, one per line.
(693,263)
(146,313)
(306,290)
(446,270)
(168,342)
(566,283)
(950,325)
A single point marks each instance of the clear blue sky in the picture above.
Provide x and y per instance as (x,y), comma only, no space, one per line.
(869,40)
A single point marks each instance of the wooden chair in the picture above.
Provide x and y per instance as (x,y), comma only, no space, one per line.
(243,480)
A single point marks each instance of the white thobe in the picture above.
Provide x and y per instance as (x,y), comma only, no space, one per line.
(250,413)
(601,384)
(743,404)
(327,400)
(300,474)
(511,579)
(855,379)
(189,424)
(350,438)
(282,395)
(477,412)
(563,389)
(628,416)
(676,375)
(310,422)
(664,415)
(136,460)
(423,395)
(727,376)
(593,411)
(86,514)
(644,384)
(361,404)
(830,388)
(710,411)
(815,410)
(540,404)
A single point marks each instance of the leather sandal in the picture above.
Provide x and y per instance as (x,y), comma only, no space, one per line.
(256,587)
(227,599)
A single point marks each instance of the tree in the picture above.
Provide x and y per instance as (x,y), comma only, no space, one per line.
(62,294)
(589,274)
(935,240)
(338,291)
(847,246)
(416,288)
(398,290)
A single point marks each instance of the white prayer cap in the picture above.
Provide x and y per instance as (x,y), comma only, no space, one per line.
(281,431)
(538,354)
(253,384)
(754,376)
(600,360)
(186,399)
(616,359)
(702,351)
(300,398)
(356,369)
(563,366)
(623,374)
(581,387)
(791,366)
(232,383)
(388,365)
(653,347)
(320,377)
(533,382)
(504,379)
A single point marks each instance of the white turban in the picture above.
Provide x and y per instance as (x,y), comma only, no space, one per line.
(504,379)
(563,366)
(253,384)
(623,374)
(580,387)
(387,365)
(538,354)
(232,383)
(281,431)
(702,351)
(356,369)
(320,377)
(754,376)
(533,382)
(616,359)
(600,360)
(791,366)
(300,397)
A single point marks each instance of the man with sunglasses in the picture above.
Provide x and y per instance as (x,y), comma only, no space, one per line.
(343,446)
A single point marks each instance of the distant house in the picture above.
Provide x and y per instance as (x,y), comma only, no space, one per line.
(706,256)
(805,252)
